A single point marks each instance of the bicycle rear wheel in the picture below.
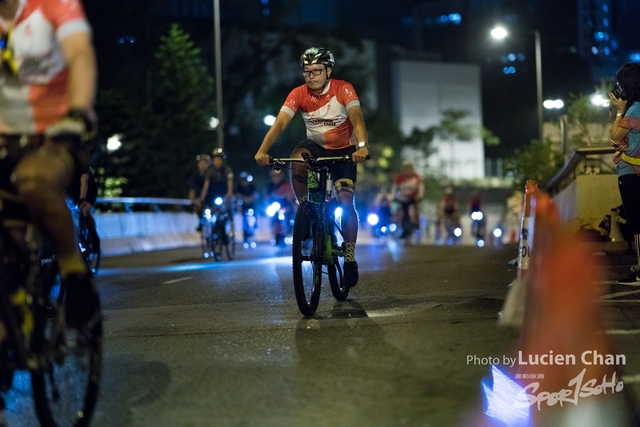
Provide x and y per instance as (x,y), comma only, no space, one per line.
(66,381)
(335,271)
(307,259)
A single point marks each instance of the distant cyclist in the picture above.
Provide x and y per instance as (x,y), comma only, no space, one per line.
(219,178)
(335,126)
(408,189)
(196,184)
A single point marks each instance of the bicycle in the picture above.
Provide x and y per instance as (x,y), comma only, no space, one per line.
(64,363)
(317,235)
(218,231)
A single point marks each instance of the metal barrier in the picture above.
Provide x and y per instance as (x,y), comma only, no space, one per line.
(153,201)
(582,156)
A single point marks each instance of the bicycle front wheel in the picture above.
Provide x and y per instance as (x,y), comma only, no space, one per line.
(66,381)
(307,259)
(230,233)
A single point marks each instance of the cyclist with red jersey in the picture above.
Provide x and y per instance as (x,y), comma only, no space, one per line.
(47,88)
(408,189)
(335,126)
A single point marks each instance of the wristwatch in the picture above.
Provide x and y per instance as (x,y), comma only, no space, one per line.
(619,114)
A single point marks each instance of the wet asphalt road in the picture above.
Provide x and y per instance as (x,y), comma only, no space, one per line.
(192,342)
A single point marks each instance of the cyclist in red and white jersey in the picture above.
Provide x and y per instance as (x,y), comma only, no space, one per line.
(335,126)
(408,189)
(47,88)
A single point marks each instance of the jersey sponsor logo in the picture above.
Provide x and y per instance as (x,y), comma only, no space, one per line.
(324,121)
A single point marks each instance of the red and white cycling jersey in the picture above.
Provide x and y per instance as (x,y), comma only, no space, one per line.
(408,188)
(37,97)
(325,115)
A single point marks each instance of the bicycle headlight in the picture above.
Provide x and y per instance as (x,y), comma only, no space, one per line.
(218,201)
(273,208)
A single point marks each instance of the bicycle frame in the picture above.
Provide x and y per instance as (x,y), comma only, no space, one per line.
(24,357)
(318,173)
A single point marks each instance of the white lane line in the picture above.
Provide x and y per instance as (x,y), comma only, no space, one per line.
(181,279)
(622,332)
(619,294)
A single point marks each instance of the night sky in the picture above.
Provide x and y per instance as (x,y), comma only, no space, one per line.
(509,101)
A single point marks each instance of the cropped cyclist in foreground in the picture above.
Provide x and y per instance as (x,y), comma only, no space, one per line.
(47,88)
(335,127)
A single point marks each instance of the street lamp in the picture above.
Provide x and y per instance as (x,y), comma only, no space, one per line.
(500,33)
(218,59)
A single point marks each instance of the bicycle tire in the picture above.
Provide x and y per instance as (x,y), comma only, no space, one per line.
(206,240)
(307,251)
(335,271)
(217,241)
(66,382)
(230,245)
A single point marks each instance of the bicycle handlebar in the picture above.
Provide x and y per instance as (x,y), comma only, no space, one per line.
(310,160)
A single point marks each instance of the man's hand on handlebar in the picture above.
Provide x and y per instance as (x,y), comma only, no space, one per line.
(360,155)
(263,159)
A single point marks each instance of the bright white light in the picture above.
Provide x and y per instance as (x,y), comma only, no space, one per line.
(481,243)
(269,120)
(457,232)
(497,232)
(553,103)
(476,215)
(218,201)
(207,213)
(499,33)
(337,214)
(273,208)
(599,100)
(373,219)
(213,123)
(393,227)
(113,143)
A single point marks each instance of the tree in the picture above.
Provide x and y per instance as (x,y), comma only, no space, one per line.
(452,129)
(162,136)
(538,161)
(589,122)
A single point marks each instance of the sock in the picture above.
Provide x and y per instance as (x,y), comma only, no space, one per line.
(71,264)
(349,251)
(302,199)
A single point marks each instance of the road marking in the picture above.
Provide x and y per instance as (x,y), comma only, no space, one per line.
(622,332)
(619,294)
(181,279)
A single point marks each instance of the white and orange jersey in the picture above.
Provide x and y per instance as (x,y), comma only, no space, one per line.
(408,188)
(37,97)
(325,115)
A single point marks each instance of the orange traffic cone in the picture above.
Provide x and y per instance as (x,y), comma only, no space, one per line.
(569,369)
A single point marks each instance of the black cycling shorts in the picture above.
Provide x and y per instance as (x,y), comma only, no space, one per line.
(342,174)
(14,148)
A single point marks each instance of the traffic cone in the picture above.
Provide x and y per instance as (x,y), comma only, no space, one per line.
(566,372)
(563,348)
(512,313)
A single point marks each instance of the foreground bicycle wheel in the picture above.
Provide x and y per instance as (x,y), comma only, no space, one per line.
(65,384)
(307,259)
